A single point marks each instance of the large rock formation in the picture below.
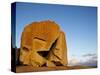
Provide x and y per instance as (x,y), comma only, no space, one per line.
(43,44)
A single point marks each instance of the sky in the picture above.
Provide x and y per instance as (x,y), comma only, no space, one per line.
(79,24)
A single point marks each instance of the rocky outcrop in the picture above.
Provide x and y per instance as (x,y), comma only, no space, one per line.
(43,44)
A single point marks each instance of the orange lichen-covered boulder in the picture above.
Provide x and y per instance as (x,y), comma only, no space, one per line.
(37,41)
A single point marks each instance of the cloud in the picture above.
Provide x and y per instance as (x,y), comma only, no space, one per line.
(85,60)
(89,63)
(89,55)
(73,62)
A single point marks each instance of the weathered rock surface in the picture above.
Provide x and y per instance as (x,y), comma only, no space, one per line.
(43,44)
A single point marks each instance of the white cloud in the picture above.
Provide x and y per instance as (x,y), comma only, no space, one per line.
(84,60)
(73,61)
